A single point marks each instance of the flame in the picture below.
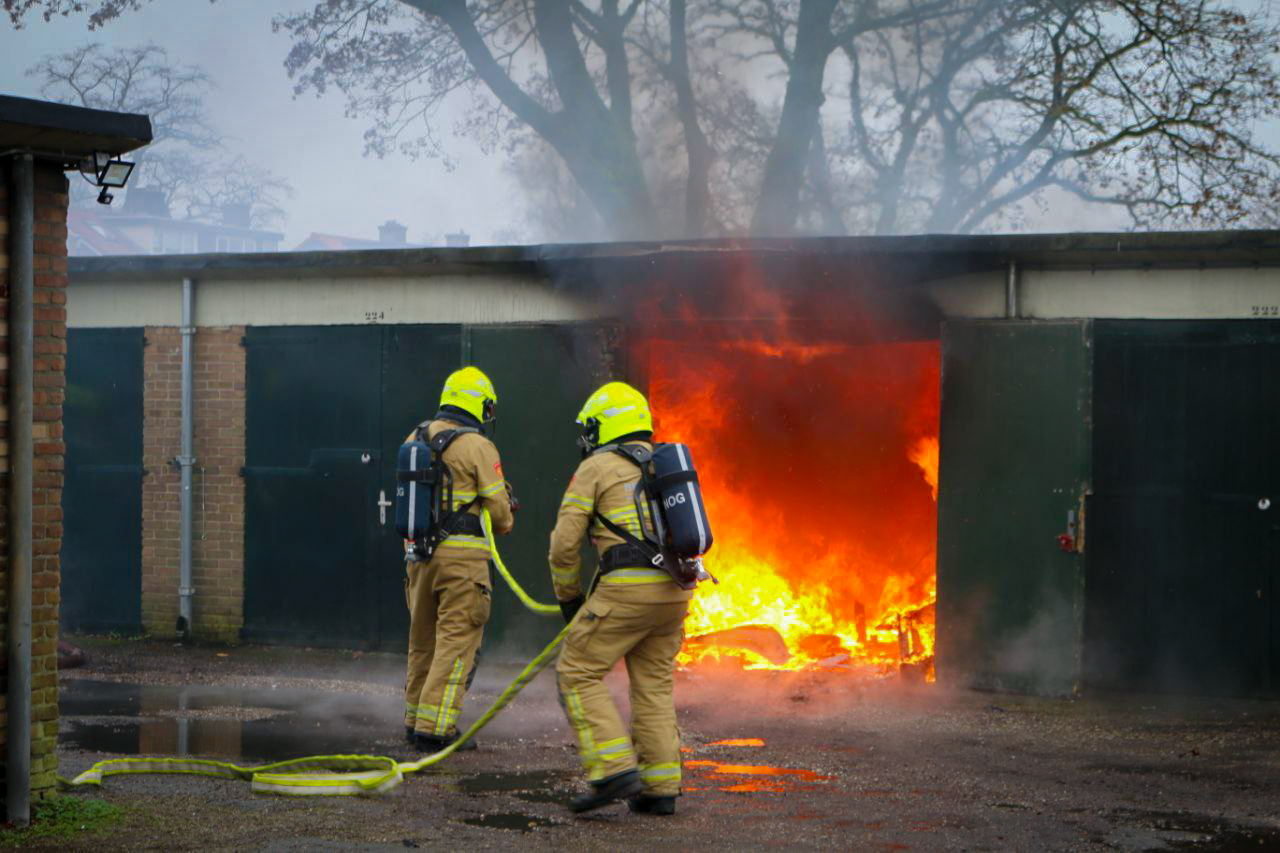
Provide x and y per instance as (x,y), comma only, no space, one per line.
(925,454)
(810,456)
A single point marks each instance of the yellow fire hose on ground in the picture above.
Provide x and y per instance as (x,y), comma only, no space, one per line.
(336,775)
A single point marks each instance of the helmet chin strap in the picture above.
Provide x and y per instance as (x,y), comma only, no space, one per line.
(489,423)
(590,438)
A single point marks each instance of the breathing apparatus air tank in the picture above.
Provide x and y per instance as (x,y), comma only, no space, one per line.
(679,507)
(416,485)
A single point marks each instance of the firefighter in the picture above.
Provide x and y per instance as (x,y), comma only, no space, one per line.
(449,596)
(635,611)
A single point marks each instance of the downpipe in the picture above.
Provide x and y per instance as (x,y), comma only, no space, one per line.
(1012,311)
(21,452)
(186,459)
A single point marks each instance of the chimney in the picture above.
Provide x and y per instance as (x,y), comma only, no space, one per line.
(392,233)
(145,201)
(457,239)
(236,215)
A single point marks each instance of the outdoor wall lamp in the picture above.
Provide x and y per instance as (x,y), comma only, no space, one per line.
(103,170)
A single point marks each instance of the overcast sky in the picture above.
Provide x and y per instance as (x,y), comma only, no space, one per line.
(308,141)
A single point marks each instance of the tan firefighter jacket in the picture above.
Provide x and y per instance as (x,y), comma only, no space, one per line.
(605,482)
(477,473)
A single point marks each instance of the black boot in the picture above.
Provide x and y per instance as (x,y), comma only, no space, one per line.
(408,734)
(617,787)
(435,743)
(649,804)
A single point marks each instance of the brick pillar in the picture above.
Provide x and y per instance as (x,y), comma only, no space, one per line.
(46,514)
(217,486)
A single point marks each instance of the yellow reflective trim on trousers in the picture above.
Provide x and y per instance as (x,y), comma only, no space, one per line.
(431,715)
(586,742)
(636,576)
(613,749)
(450,694)
(667,771)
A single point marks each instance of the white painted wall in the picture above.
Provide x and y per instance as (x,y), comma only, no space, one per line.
(1156,294)
(317,302)
(1162,294)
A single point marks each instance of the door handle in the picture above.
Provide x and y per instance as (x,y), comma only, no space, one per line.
(383,503)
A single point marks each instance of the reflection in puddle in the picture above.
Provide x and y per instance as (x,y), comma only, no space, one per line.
(741,741)
(247,724)
(511,820)
(773,779)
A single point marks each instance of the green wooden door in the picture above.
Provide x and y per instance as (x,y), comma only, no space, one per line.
(1183,558)
(327,407)
(1014,462)
(102,494)
(312,460)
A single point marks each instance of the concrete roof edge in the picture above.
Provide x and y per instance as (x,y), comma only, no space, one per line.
(1079,249)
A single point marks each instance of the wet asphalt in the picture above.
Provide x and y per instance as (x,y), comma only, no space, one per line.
(771,761)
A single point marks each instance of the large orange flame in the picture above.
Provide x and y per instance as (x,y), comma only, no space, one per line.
(819,465)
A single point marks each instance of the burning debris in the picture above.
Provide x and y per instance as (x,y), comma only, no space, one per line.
(819,460)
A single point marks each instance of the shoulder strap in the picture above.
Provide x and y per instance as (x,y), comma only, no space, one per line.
(445,437)
(631,452)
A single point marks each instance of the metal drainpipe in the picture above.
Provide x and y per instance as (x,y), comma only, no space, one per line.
(21,291)
(186,460)
(1011,310)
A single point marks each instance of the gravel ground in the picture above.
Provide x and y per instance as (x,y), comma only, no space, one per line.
(844,764)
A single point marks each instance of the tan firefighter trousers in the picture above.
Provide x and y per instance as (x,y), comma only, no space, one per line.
(449,600)
(643,623)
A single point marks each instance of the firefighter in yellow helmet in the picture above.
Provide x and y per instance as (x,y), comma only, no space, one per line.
(635,611)
(449,594)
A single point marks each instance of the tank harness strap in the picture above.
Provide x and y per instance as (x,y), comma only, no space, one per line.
(451,520)
(636,552)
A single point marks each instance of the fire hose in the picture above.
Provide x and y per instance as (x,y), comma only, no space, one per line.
(337,775)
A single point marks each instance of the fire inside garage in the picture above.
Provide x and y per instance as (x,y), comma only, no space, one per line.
(819,453)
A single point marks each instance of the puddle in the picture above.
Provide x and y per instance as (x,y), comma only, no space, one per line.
(250,725)
(1201,832)
(741,741)
(533,786)
(509,821)
(768,779)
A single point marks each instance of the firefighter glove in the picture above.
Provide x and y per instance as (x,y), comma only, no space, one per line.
(511,498)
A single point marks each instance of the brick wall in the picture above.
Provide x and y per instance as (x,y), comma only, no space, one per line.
(50,383)
(217,487)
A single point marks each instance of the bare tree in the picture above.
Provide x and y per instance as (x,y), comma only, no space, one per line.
(684,118)
(186,161)
(1148,106)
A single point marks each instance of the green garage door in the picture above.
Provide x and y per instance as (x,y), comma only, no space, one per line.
(102,495)
(327,409)
(1014,463)
(320,565)
(1184,524)
(543,375)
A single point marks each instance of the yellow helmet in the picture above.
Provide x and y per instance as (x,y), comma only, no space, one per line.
(614,410)
(470,390)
